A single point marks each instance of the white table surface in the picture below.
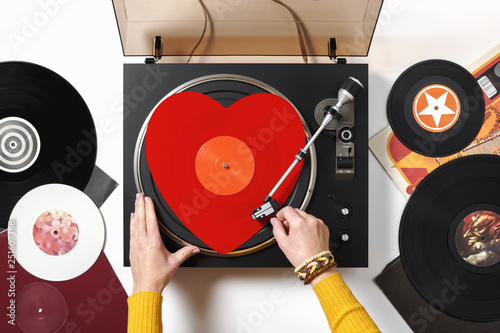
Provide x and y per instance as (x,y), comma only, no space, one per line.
(80,41)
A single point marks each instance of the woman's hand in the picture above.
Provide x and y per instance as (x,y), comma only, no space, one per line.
(301,236)
(152,265)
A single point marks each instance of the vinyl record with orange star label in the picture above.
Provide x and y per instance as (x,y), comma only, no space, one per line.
(436,108)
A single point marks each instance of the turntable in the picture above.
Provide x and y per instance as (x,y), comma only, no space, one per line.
(175,115)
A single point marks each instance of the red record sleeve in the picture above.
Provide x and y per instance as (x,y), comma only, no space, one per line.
(95,301)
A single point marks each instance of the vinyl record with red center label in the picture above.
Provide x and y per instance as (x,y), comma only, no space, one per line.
(214,165)
(436,108)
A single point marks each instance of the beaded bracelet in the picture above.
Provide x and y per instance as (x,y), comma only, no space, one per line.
(315,267)
(311,259)
(317,272)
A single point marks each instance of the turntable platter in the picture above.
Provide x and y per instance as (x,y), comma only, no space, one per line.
(226,90)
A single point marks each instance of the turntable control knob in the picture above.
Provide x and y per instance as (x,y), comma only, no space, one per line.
(346,135)
(344,211)
(344,236)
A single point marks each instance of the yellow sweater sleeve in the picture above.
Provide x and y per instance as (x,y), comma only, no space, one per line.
(343,311)
(144,313)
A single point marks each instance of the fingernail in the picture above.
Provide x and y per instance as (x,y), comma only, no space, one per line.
(273,220)
(196,251)
(146,199)
(131,215)
(137,196)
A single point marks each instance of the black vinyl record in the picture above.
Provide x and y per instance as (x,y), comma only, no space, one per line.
(436,108)
(449,238)
(47,134)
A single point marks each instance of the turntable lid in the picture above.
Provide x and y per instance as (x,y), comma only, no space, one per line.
(239,27)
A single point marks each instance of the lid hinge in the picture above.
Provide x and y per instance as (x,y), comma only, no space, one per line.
(157,50)
(332,52)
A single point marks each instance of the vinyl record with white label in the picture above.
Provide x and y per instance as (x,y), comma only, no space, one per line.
(58,232)
(47,134)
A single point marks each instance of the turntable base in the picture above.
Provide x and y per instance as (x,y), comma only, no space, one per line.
(323,188)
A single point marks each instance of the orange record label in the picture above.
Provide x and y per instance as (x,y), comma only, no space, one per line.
(436,108)
(225,165)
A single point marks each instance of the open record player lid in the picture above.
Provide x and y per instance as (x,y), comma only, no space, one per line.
(247,27)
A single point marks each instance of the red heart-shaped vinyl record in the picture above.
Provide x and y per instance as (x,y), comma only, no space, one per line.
(214,165)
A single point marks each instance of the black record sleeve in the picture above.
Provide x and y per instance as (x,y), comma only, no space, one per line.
(418,314)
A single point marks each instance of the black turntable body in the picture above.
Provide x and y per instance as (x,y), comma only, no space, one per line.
(333,184)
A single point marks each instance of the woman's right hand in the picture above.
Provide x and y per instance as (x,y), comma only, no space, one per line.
(301,236)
